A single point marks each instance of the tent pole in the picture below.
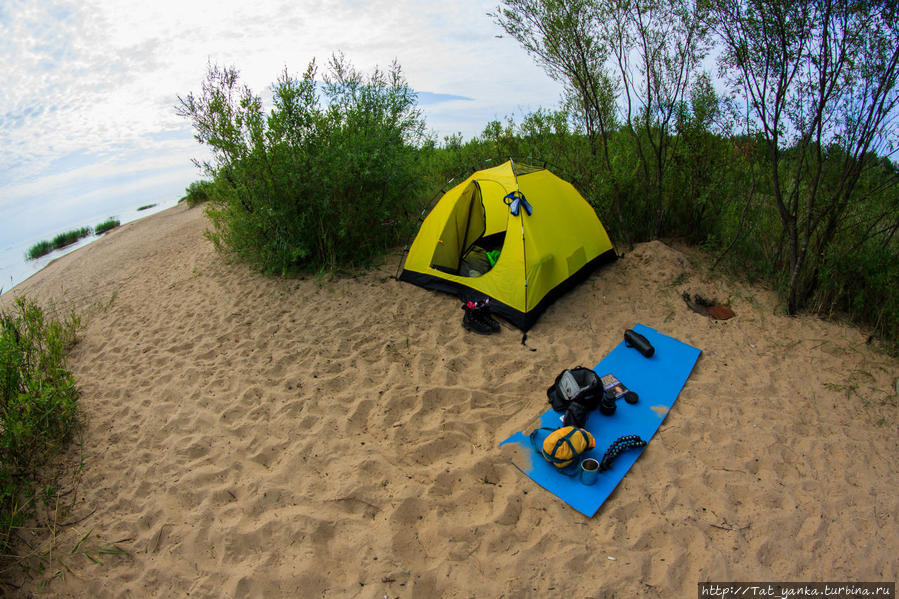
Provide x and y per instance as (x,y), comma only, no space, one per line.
(524,255)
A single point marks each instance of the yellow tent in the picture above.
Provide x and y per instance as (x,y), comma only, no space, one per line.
(515,233)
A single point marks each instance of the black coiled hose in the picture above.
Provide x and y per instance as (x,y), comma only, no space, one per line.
(620,445)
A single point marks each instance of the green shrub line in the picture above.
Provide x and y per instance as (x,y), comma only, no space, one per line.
(62,240)
(38,406)
(41,248)
(70,237)
(324,180)
(316,186)
(197,193)
(106,225)
(146,207)
(710,205)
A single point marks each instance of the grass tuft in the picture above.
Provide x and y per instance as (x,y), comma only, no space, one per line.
(70,237)
(42,248)
(106,225)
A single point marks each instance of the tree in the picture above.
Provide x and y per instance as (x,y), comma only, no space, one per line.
(624,63)
(307,186)
(657,47)
(820,80)
(565,39)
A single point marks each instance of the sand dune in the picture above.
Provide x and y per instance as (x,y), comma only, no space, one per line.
(255,437)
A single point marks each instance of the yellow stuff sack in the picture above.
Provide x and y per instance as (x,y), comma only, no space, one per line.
(565,444)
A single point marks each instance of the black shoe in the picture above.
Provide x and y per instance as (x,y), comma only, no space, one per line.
(477,319)
(486,317)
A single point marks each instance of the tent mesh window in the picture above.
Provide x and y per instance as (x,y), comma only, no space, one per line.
(524,168)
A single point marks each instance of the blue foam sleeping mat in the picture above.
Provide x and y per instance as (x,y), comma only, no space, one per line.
(657,381)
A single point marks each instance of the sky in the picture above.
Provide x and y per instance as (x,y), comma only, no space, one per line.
(88,89)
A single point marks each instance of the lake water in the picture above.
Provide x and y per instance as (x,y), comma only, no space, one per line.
(14,268)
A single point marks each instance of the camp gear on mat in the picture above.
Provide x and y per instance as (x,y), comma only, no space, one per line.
(548,238)
(613,390)
(477,317)
(577,384)
(658,382)
(611,385)
(620,445)
(638,342)
(589,471)
(575,415)
(607,405)
(575,392)
(562,446)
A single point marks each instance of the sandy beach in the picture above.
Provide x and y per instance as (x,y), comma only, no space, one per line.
(249,436)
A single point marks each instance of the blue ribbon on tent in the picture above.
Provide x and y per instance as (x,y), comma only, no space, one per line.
(515,201)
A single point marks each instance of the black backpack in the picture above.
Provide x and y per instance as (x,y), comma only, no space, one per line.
(579,385)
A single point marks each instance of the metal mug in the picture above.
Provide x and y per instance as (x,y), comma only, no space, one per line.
(589,469)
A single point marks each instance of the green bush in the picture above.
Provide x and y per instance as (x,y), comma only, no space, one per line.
(70,237)
(37,406)
(41,248)
(716,196)
(197,193)
(860,277)
(146,207)
(311,185)
(106,225)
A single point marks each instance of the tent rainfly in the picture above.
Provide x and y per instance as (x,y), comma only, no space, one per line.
(515,233)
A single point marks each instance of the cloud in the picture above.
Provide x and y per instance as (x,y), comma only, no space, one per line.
(81,170)
(88,88)
(92,185)
(429,98)
(101,74)
(63,88)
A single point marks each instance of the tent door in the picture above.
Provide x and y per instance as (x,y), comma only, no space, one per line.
(465,225)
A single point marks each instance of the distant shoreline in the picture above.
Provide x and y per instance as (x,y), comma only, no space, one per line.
(15,267)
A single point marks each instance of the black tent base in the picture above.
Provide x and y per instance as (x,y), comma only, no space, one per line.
(522,320)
